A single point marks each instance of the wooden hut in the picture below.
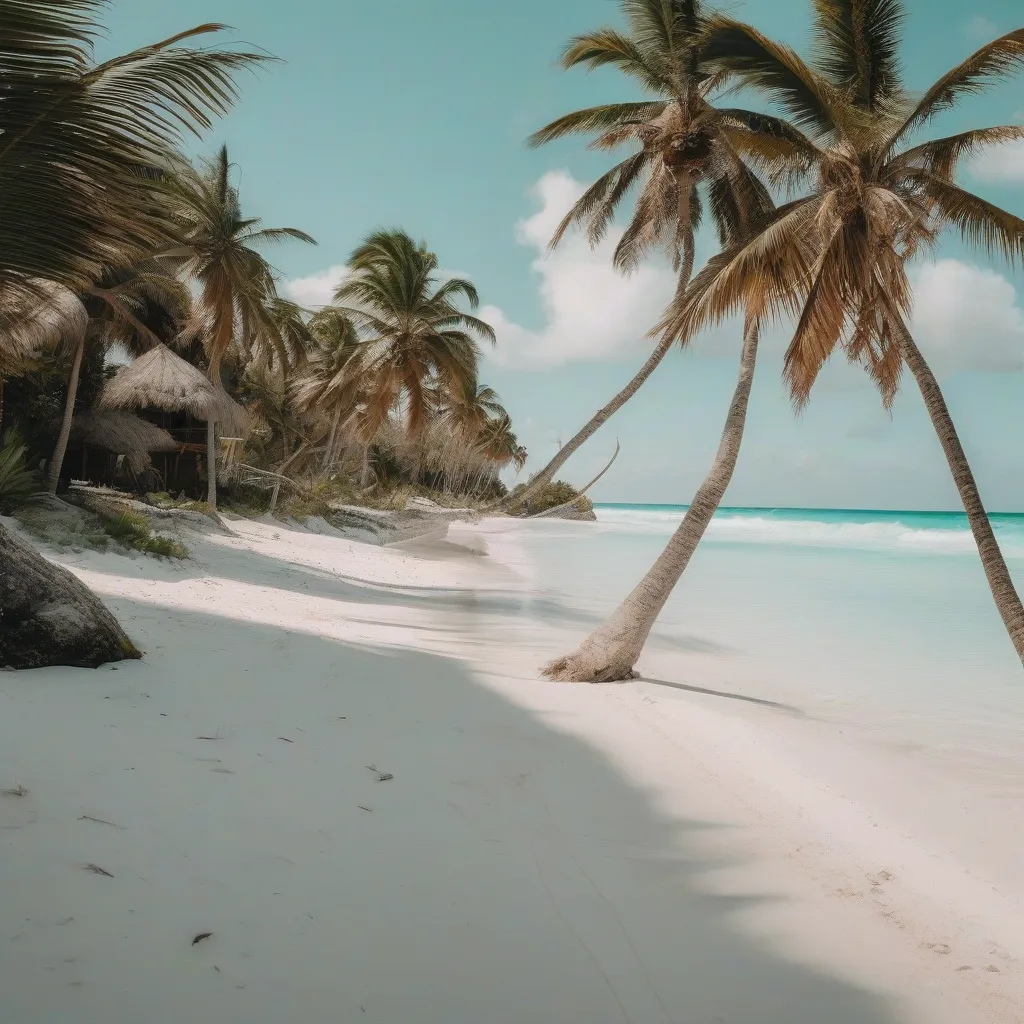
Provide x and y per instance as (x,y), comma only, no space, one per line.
(177,397)
(111,447)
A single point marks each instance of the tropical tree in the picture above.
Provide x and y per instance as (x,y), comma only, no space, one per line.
(77,138)
(461,417)
(498,444)
(237,305)
(327,385)
(690,156)
(418,338)
(837,257)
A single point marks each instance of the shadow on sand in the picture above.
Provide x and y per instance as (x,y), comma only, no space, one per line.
(508,873)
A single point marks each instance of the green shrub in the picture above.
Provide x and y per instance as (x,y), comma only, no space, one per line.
(132,530)
(18,484)
(556,493)
(165,547)
(129,528)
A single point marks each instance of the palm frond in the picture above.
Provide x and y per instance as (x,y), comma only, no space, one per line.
(981,223)
(995,60)
(84,146)
(274,236)
(597,119)
(594,204)
(942,156)
(857,47)
(608,47)
(760,62)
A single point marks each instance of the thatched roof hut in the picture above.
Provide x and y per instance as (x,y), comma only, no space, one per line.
(123,434)
(161,380)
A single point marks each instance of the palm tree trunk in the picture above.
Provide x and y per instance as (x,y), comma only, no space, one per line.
(57,461)
(211,465)
(365,474)
(611,651)
(329,454)
(547,474)
(1001,584)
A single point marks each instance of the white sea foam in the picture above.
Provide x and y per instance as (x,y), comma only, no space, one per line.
(873,535)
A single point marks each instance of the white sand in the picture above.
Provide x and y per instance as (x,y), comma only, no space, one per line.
(548,854)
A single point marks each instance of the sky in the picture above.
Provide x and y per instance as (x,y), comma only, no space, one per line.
(415,115)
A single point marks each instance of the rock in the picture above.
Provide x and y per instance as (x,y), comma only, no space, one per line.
(49,617)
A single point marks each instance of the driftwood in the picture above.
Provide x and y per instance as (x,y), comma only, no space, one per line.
(49,617)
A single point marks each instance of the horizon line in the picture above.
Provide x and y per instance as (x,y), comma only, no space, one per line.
(801,508)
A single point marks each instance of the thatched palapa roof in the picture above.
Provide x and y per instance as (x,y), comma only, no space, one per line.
(123,434)
(161,380)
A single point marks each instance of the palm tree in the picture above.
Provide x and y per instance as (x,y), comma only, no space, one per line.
(836,258)
(75,137)
(686,147)
(498,445)
(462,415)
(237,304)
(418,339)
(328,385)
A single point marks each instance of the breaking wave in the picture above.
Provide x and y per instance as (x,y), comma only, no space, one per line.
(904,532)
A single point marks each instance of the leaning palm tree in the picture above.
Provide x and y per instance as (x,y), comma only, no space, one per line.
(418,338)
(75,137)
(690,155)
(237,306)
(837,257)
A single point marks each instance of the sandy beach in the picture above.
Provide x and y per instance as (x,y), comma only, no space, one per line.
(336,789)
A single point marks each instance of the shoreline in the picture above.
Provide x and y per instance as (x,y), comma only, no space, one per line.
(643,852)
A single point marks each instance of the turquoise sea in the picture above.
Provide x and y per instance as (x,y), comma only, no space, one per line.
(877,617)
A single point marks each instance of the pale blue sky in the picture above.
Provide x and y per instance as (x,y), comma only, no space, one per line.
(414,114)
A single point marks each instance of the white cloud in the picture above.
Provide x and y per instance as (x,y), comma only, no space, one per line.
(318,289)
(1000,165)
(967,317)
(591,311)
(980,27)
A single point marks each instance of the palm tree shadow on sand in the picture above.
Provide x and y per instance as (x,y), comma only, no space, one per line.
(507,872)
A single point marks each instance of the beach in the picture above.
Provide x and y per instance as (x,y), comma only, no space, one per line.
(336,787)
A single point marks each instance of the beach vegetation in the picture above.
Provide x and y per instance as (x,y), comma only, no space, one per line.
(18,484)
(552,495)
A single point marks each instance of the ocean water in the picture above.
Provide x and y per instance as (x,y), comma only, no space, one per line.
(877,618)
